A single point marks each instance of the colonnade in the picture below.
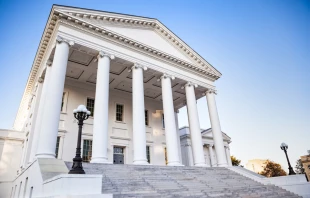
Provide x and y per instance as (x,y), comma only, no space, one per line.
(46,128)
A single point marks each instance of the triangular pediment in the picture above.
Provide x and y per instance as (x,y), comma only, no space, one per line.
(208,134)
(147,31)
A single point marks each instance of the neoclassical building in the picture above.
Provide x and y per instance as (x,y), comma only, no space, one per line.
(133,74)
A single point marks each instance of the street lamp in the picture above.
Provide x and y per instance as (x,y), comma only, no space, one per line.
(284,147)
(81,114)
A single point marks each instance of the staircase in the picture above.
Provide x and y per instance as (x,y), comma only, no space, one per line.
(166,181)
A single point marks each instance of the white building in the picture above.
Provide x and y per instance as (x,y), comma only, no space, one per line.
(208,147)
(133,74)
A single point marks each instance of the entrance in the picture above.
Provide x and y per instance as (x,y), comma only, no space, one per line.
(118,155)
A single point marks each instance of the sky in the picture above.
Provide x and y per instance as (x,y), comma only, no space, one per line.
(261,47)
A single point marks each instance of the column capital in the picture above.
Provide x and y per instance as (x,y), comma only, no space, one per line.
(165,75)
(40,80)
(189,84)
(49,63)
(210,91)
(60,39)
(102,54)
(137,66)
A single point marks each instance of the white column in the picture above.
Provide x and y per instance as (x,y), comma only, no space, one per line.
(194,125)
(101,114)
(216,129)
(213,163)
(52,105)
(178,135)
(170,125)
(41,100)
(228,156)
(138,125)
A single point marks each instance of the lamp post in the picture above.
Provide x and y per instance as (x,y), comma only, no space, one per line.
(81,114)
(284,147)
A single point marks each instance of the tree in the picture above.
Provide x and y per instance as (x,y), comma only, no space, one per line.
(235,161)
(299,169)
(272,169)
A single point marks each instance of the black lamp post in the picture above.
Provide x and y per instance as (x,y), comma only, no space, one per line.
(284,147)
(81,114)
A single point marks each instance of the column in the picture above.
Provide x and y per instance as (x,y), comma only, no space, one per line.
(227,149)
(52,105)
(216,129)
(170,125)
(34,111)
(178,135)
(41,100)
(213,164)
(101,114)
(138,125)
(194,125)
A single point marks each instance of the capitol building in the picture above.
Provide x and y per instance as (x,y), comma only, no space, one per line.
(132,74)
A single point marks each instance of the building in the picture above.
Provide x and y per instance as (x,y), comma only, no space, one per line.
(208,147)
(256,165)
(133,74)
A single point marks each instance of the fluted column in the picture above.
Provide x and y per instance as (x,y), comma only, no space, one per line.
(170,125)
(216,129)
(194,125)
(41,100)
(101,114)
(138,125)
(227,149)
(52,106)
(213,163)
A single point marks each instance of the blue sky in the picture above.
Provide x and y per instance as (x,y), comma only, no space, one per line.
(261,47)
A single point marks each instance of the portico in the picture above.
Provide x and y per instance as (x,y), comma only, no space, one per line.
(133,74)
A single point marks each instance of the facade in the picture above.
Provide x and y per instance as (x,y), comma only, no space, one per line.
(208,147)
(133,74)
(256,165)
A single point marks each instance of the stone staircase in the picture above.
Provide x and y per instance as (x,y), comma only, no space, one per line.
(165,181)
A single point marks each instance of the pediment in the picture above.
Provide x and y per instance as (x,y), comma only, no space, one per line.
(147,31)
(208,134)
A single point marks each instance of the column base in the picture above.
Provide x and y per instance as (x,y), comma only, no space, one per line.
(201,165)
(45,155)
(140,162)
(174,164)
(100,160)
(222,165)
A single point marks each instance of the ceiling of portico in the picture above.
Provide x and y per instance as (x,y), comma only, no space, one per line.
(82,67)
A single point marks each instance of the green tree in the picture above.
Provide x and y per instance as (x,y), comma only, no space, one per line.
(235,161)
(272,169)
(299,169)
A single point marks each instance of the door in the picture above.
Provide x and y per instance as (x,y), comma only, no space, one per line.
(118,155)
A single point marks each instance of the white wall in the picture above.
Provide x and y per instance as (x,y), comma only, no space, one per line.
(11,143)
(120,133)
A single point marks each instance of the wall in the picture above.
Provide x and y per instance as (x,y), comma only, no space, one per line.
(120,133)
(11,143)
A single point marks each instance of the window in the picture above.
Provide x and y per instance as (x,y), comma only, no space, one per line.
(90,106)
(163,120)
(87,150)
(25,188)
(63,101)
(30,194)
(119,112)
(57,147)
(148,156)
(146,117)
